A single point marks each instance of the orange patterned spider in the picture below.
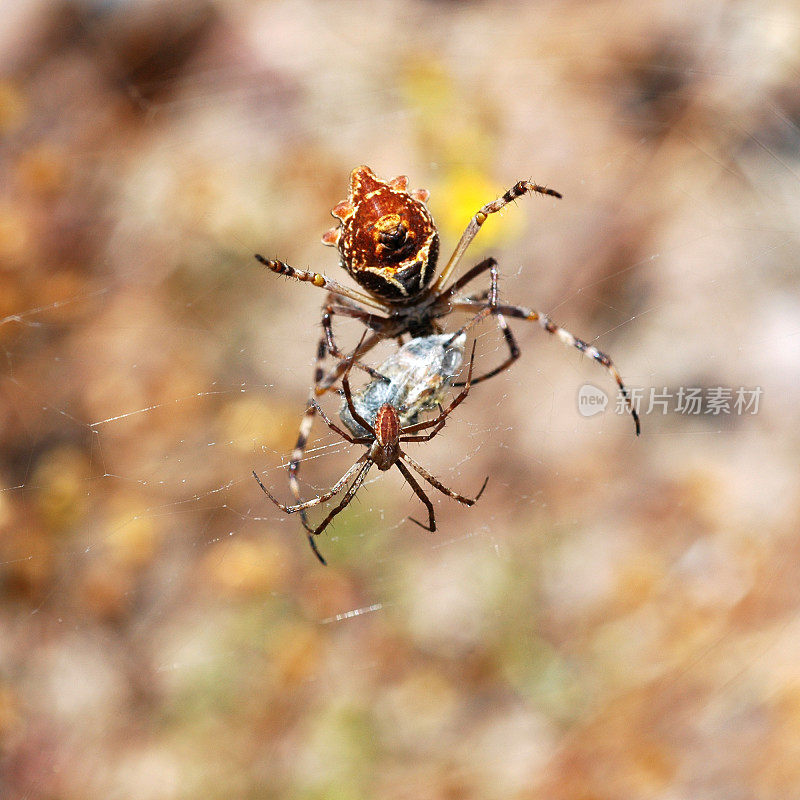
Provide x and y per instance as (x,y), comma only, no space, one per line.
(389,245)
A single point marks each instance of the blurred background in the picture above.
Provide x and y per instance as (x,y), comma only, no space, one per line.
(616,617)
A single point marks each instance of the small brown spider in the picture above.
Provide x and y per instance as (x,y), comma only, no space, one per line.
(384,451)
(389,244)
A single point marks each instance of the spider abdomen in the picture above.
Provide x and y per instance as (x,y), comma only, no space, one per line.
(387,239)
(387,436)
(387,425)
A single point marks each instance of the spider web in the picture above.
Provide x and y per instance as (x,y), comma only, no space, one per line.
(609,601)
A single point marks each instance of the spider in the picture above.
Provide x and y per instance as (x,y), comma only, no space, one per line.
(414,379)
(383,438)
(389,244)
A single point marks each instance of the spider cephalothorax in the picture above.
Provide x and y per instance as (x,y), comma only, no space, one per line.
(387,239)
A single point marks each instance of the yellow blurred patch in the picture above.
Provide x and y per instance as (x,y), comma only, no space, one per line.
(240,567)
(786,707)
(463,192)
(42,170)
(423,701)
(426,86)
(132,537)
(457,136)
(9,711)
(6,514)
(252,422)
(296,654)
(13,108)
(15,235)
(60,478)
(637,578)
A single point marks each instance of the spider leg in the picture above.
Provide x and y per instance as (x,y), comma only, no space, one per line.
(438,422)
(419,492)
(519,312)
(467,501)
(315,550)
(334,490)
(348,396)
(489,308)
(466,278)
(320,280)
(299,451)
(517,190)
(511,343)
(369,320)
(336,429)
(349,494)
(322,384)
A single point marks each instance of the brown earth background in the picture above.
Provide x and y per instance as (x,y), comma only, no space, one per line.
(616,618)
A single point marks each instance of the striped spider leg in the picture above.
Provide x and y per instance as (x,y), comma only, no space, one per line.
(487,301)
